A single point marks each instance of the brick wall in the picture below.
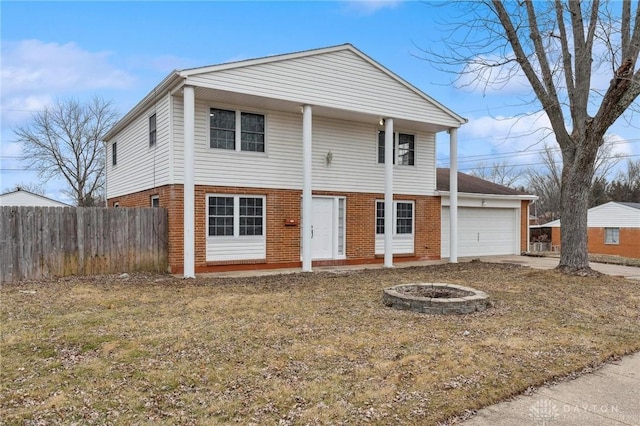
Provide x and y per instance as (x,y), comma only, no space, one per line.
(283,241)
(629,242)
(171,198)
(524,225)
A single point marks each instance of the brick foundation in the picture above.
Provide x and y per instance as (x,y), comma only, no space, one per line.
(283,241)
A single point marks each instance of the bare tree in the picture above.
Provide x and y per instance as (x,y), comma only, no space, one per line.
(65,140)
(501,173)
(626,185)
(545,181)
(558,47)
(29,187)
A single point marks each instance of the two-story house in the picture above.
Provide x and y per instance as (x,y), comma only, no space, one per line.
(315,157)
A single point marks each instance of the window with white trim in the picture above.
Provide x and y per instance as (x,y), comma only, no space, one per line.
(403,211)
(114,154)
(152,130)
(223,134)
(155,201)
(403,144)
(235,216)
(612,235)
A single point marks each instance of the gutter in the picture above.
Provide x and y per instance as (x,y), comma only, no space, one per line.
(157,92)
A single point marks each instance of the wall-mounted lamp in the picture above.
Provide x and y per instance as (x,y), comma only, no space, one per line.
(328,159)
(381,122)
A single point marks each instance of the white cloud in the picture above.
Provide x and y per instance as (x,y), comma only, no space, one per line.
(33,66)
(34,73)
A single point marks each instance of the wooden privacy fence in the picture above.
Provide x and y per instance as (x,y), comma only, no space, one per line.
(38,242)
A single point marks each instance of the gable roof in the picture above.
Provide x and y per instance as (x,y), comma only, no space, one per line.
(473,185)
(614,213)
(247,74)
(628,204)
(20,197)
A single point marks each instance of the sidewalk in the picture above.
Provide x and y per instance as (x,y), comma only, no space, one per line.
(609,396)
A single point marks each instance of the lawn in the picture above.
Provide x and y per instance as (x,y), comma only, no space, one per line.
(297,349)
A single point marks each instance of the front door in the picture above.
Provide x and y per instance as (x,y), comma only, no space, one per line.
(322,228)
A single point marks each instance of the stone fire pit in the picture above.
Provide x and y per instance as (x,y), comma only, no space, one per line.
(435,298)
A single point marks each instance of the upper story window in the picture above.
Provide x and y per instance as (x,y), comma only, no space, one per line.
(152,130)
(612,235)
(224,135)
(114,154)
(403,145)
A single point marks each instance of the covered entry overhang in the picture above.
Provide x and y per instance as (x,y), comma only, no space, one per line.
(191,94)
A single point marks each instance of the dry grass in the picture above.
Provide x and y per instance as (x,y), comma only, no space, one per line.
(297,349)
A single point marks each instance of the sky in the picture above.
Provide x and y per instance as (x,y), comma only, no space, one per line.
(121,50)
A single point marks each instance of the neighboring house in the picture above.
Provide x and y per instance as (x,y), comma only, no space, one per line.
(492,219)
(284,160)
(613,228)
(20,197)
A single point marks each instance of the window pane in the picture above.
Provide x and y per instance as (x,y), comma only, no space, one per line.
(611,235)
(381,150)
(220,216)
(252,132)
(379,217)
(152,130)
(406,149)
(404,218)
(251,216)
(114,154)
(223,129)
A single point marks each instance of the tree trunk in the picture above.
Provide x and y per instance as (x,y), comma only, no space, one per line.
(574,198)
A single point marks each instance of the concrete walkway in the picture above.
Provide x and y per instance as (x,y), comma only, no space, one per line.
(628,272)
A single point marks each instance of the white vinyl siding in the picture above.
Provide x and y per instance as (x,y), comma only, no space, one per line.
(403,227)
(140,166)
(613,215)
(353,148)
(227,227)
(340,79)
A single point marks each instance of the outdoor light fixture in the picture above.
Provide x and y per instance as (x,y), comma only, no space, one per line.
(328,158)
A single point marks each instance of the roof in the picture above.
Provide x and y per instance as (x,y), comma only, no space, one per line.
(20,197)
(632,205)
(177,77)
(473,185)
(615,213)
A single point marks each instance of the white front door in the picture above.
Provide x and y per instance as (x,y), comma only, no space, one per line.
(322,228)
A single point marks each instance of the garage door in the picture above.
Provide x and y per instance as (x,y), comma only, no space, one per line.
(483,231)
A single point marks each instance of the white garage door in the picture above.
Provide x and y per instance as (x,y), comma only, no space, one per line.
(483,231)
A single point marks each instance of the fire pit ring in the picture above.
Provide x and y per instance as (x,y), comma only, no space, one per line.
(435,298)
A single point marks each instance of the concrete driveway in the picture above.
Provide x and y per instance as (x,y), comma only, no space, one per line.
(629,272)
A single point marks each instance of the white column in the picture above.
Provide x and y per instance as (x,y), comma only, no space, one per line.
(453,196)
(388,193)
(306,188)
(189,188)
